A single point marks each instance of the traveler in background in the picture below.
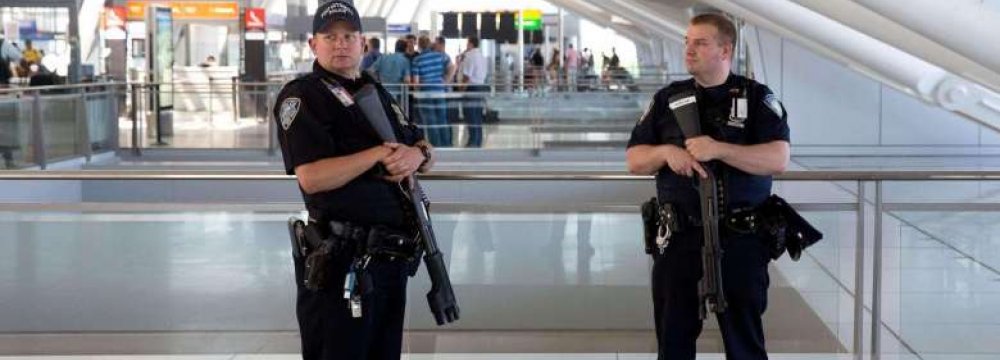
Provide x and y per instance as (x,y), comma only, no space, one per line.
(473,81)
(393,70)
(373,54)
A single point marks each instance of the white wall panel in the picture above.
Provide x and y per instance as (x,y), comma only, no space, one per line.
(827,103)
(989,137)
(908,121)
(770,45)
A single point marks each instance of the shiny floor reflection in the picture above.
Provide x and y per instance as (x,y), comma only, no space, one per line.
(549,283)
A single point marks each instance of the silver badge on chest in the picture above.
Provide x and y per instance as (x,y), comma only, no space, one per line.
(738,113)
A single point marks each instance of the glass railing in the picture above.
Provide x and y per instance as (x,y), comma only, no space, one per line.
(560,260)
(237,115)
(39,125)
(77,120)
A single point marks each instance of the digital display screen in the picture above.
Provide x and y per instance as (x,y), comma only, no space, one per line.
(163,54)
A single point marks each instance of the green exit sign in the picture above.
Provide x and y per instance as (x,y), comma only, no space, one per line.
(532,20)
(530,25)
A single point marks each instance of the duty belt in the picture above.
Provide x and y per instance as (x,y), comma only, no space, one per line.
(743,221)
(379,241)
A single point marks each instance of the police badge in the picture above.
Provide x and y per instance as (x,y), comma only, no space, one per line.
(289,108)
(772,103)
(649,108)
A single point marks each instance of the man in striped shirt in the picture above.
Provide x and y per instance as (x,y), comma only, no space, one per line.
(429,71)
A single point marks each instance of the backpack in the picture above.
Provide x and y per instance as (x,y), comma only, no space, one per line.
(5,73)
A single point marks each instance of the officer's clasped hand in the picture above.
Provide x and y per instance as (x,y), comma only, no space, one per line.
(703,148)
(683,163)
(402,162)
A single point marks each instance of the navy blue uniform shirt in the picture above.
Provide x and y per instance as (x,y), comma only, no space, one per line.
(317,119)
(765,122)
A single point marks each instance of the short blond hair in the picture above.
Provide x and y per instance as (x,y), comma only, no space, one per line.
(727,31)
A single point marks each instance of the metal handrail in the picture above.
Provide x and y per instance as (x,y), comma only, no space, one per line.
(59,87)
(822,175)
(173,83)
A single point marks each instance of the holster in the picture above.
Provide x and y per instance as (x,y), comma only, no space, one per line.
(779,224)
(650,223)
(314,250)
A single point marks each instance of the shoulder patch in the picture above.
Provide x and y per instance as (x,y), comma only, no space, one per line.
(649,108)
(289,108)
(774,104)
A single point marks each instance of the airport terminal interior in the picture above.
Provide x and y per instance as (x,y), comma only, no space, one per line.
(144,203)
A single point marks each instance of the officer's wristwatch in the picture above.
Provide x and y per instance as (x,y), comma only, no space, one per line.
(424,149)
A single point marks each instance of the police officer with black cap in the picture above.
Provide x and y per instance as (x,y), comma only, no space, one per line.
(743,142)
(351,300)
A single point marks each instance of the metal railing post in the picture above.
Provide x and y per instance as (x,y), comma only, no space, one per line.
(134,114)
(272,127)
(877,275)
(38,131)
(113,107)
(211,96)
(83,125)
(406,99)
(859,276)
(236,101)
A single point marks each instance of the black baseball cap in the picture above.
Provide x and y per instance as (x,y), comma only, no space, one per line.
(336,10)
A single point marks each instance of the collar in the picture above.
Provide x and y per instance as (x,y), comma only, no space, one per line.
(343,81)
(730,81)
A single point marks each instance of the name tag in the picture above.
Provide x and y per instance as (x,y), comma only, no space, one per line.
(682,102)
(342,95)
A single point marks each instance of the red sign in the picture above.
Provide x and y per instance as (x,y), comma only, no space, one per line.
(114,17)
(254,20)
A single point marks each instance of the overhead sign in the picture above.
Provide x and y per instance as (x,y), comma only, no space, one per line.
(531,20)
(188,10)
(253,20)
(398,29)
(113,22)
(28,30)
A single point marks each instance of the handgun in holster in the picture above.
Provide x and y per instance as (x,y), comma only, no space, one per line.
(315,251)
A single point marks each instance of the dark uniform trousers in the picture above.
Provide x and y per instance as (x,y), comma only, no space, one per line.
(328,330)
(675,295)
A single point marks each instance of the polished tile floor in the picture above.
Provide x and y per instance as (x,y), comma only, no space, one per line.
(88,272)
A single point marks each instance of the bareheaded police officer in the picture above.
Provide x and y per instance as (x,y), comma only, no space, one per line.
(744,142)
(352,284)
